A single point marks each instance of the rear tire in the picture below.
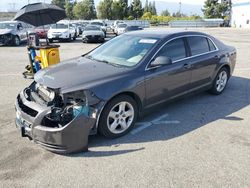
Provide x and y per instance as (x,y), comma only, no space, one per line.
(118,117)
(220,81)
(50,40)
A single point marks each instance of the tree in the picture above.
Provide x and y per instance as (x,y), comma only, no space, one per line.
(146,8)
(104,9)
(165,13)
(146,16)
(117,10)
(214,9)
(69,9)
(60,3)
(85,10)
(153,11)
(136,9)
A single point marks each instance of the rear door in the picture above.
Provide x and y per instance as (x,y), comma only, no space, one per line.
(170,80)
(204,58)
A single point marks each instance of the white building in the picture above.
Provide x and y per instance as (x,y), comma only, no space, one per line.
(240,16)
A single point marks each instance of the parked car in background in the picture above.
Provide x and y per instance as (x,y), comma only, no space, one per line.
(114,25)
(93,33)
(61,31)
(42,31)
(79,28)
(132,28)
(14,32)
(108,88)
(100,23)
(120,28)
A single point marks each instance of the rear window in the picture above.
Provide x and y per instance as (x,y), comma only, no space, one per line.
(198,45)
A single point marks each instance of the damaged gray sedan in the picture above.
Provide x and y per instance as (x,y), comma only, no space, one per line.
(105,90)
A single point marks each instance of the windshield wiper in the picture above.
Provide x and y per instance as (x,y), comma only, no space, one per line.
(103,61)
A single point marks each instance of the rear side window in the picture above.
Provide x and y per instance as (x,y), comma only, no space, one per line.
(175,50)
(211,45)
(198,45)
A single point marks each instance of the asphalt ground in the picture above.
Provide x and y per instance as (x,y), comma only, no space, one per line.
(198,141)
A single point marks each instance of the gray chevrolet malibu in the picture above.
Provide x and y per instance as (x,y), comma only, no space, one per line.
(106,89)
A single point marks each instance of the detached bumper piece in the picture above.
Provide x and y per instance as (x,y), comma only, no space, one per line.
(70,138)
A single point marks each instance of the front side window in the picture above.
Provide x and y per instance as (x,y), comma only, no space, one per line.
(198,45)
(174,49)
(125,50)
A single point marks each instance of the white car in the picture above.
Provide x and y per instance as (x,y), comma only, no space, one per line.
(120,29)
(61,31)
(114,25)
(100,23)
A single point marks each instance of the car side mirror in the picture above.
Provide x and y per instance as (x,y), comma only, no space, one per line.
(19,27)
(161,61)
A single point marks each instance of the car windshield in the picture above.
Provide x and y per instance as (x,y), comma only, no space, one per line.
(96,23)
(122,25)
(125,50)
(91,28)
(59,26)
(43,27)
(132,28)
(7,25)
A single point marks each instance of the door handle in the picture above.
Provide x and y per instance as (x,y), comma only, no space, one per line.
(216,57)
(187,66)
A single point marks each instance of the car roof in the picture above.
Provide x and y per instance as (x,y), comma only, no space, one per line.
(161,34)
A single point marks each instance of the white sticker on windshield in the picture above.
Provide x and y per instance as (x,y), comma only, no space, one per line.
(148,41)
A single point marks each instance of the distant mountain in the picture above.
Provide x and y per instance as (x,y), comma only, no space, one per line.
(174,7)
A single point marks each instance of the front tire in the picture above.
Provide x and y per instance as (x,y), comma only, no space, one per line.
(118,117)
(220,81)
(16,41)
(69,39)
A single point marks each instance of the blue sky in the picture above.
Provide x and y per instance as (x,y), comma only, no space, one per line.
(10,4)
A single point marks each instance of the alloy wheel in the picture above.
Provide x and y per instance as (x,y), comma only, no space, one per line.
(221,81)
(120,117)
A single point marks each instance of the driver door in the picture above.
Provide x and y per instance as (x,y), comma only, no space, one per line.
(170,80)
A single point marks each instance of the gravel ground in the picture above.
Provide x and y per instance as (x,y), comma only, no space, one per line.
(199,141)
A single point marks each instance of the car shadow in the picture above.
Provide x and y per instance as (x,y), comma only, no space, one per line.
(192,112)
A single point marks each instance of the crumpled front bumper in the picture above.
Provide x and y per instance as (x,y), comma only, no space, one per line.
(71,138)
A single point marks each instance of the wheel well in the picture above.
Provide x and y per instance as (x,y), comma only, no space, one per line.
(131,94)
(228,69)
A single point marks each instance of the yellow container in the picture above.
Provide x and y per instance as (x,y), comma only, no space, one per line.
(49,56)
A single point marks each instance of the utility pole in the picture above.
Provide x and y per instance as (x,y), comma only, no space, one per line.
(180,7)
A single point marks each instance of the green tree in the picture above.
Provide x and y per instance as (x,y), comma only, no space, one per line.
(136,9)
(60,3)
(146,8)
(69,9)
(117,10)
(146,16)
(85,10)
(153,11)
(104,9)
(214,9)
(124,4)
(165,13)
